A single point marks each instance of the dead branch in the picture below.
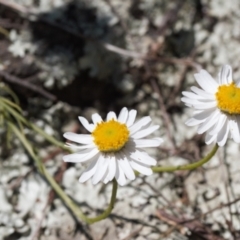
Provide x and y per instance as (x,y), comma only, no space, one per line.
(13,79)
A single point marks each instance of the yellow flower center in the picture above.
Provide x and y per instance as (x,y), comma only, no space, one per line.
(228,98)
(110,136)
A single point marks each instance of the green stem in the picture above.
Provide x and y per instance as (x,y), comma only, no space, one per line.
(4,32)
(106,213)
(187,166)
(12,104)
(8,90)
(49,138)
(69,203)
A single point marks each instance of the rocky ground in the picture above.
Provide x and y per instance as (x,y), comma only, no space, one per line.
(65,59)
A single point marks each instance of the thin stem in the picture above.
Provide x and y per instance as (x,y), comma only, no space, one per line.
(49,138)
(4,32)
(69,203)
(106,213)
(187,166)
(12,104)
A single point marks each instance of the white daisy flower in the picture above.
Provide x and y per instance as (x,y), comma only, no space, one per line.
(114,147)
(217,106)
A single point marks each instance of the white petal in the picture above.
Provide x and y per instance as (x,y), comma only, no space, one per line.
(125,166)
(138,125)
(234,129)
(190,101)
(90,171)
(206,105)
(210,121)
(145,132)
(145,170)
(73,146)
(200,103)
(203,93)
(112,168)
(192,95)
(193,122)
(105,178)
(225,75)
(145,127)
(86,124)
(206,82)
(123,115)
(111,116)
(82,156)
(223,134)
(102,166)
(210,138)
(219,125)
(79,138)
(120,177)
(188,105)
(131,117)
(238,121)
(237,82)
(197,111)
(143,157)
(142,143)
(96,118)
(203,115)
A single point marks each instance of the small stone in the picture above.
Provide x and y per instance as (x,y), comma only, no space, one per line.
(18,223)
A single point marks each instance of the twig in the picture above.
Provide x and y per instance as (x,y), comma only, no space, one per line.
(13,79)
(135,221)
(169,205)
(16,183)
(124,52)
(131,54)
(133,234)
(161,216)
